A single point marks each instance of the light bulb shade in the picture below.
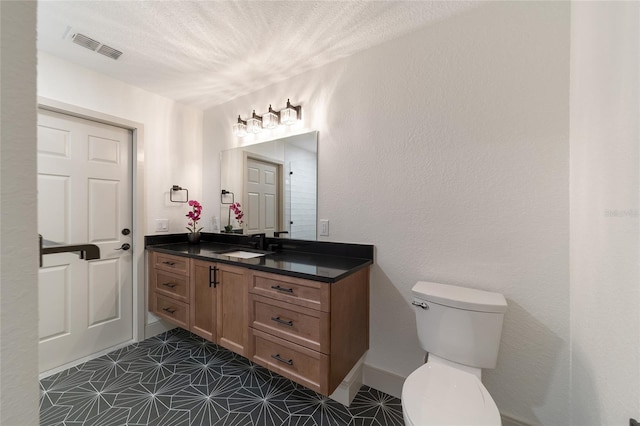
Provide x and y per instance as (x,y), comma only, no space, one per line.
(240,128)
(290,115)
(271,119)
(254,124)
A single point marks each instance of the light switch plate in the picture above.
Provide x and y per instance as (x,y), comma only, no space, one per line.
(162,225)
(324,227)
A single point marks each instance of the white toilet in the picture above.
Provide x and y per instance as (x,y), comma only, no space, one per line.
(460,329)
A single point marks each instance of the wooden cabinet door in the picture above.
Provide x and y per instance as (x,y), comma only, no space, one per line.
(203,300)
(232,322)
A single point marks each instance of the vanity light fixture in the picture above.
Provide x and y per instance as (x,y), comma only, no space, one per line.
(254,124)
(291,114)
(271,119)
(240,128)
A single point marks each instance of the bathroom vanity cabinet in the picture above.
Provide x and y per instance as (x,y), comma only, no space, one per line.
(312,331)
(170,288)
(209,299)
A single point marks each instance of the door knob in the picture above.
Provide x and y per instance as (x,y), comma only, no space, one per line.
(125,247)
(126,231)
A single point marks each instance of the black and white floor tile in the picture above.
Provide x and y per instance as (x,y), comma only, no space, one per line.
(177,378)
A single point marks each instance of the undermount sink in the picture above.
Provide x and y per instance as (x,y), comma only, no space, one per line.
(241,254)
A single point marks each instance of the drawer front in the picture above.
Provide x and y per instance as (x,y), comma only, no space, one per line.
(310,294)
(303,326)
(172,285)
(302,365)
(172,310)
(175,264)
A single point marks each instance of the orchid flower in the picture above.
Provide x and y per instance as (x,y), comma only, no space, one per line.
(194,216)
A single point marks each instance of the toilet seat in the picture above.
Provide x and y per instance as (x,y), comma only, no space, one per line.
(437,394)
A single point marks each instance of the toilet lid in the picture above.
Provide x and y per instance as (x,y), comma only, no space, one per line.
(437,394)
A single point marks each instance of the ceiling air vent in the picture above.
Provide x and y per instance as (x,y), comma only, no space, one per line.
(109,51)
(85,41)
(96,46)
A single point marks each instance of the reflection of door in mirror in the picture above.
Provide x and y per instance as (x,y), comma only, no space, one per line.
(262,195)
(292,205)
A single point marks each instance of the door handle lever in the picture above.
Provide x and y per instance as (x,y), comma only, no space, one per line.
(125,247)
(87,251)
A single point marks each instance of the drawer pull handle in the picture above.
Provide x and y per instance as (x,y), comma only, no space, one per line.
(170,310)
(166,262)
(213,270)
(286,290)
(281,321)
(278,358)
(170,285)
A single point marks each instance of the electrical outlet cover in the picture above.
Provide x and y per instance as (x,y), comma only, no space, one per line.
(324,227)
(162,225)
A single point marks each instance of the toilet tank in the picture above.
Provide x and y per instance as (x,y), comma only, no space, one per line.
(459,324)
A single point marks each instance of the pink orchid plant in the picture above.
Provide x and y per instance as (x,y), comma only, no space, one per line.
(194,216)
(236,209)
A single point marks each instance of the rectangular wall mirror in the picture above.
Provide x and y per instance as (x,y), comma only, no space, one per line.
(276,184)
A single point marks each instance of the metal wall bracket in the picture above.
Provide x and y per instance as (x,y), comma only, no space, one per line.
(176,188)
(225,192)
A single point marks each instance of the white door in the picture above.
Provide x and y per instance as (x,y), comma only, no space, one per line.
(84,196)
(261,185)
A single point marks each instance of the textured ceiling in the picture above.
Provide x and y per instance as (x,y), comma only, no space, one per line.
(205,53)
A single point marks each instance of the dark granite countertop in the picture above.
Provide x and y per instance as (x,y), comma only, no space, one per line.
(296,263)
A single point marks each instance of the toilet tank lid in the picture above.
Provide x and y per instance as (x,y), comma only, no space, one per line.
(460,297)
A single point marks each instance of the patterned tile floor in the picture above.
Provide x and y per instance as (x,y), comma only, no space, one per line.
(177,378)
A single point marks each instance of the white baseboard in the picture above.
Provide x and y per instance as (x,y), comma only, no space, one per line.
(383,380)
(347,390)
(155,328)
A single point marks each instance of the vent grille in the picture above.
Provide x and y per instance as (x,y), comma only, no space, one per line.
(85,41)
(109,51)
(96,46)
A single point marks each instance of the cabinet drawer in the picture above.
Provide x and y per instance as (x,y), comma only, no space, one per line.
(172,310)
(311,294)
(302,365)
(172,285)
(175,264)
(304,326)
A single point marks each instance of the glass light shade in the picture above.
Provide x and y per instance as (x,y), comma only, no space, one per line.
(240,128)
(289,115)
(254,124)
(270,120)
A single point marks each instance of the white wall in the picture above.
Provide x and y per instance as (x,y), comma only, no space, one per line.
(18,235)
(172,131)
(605,160)
(448,150)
